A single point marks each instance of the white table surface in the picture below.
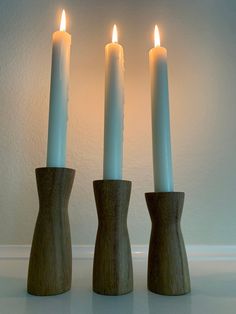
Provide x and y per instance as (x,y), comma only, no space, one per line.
(213,291)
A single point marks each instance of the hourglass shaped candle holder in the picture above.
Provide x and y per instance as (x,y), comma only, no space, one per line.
(50,262)
(112,268)
(168,272)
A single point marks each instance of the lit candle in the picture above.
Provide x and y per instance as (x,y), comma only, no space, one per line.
(57,126)
(114,109)
(162,161)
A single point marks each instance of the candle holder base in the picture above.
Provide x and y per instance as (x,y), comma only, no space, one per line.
(112,267)
(50,264)
(168,272)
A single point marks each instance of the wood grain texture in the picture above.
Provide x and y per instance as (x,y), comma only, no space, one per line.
(168,272)
(50,264)
(112,268)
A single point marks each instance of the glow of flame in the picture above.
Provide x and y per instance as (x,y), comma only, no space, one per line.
(63,21)
(114,34)
(157,41)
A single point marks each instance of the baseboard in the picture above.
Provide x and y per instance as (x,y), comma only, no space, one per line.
(194,252)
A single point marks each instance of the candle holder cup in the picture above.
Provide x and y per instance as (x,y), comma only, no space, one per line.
(168,272)
(50,264)
(112,268)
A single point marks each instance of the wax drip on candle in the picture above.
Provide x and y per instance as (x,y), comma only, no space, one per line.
(63,21)
(157,42)
(114,34)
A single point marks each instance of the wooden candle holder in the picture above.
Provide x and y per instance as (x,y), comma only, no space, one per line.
(112,268)
(50,264)
(168,272)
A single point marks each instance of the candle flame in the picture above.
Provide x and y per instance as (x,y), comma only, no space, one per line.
(157,41)
(63,21)
(114,34)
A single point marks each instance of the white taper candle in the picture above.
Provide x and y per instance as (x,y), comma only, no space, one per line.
(114,109)
(57,125)
(162,160)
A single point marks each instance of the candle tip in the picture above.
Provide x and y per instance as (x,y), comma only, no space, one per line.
(156,37)
(63,21)
(115,34)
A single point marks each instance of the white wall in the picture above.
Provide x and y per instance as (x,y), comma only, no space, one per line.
(201,42)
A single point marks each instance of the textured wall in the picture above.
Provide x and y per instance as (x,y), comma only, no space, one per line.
(201,43)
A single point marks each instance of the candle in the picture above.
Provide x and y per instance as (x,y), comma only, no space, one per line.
(57,126)
(114,109)
(162,163)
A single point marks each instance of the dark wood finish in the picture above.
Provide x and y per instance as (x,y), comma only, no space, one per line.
(168,272)
(112,268)
(50,262)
